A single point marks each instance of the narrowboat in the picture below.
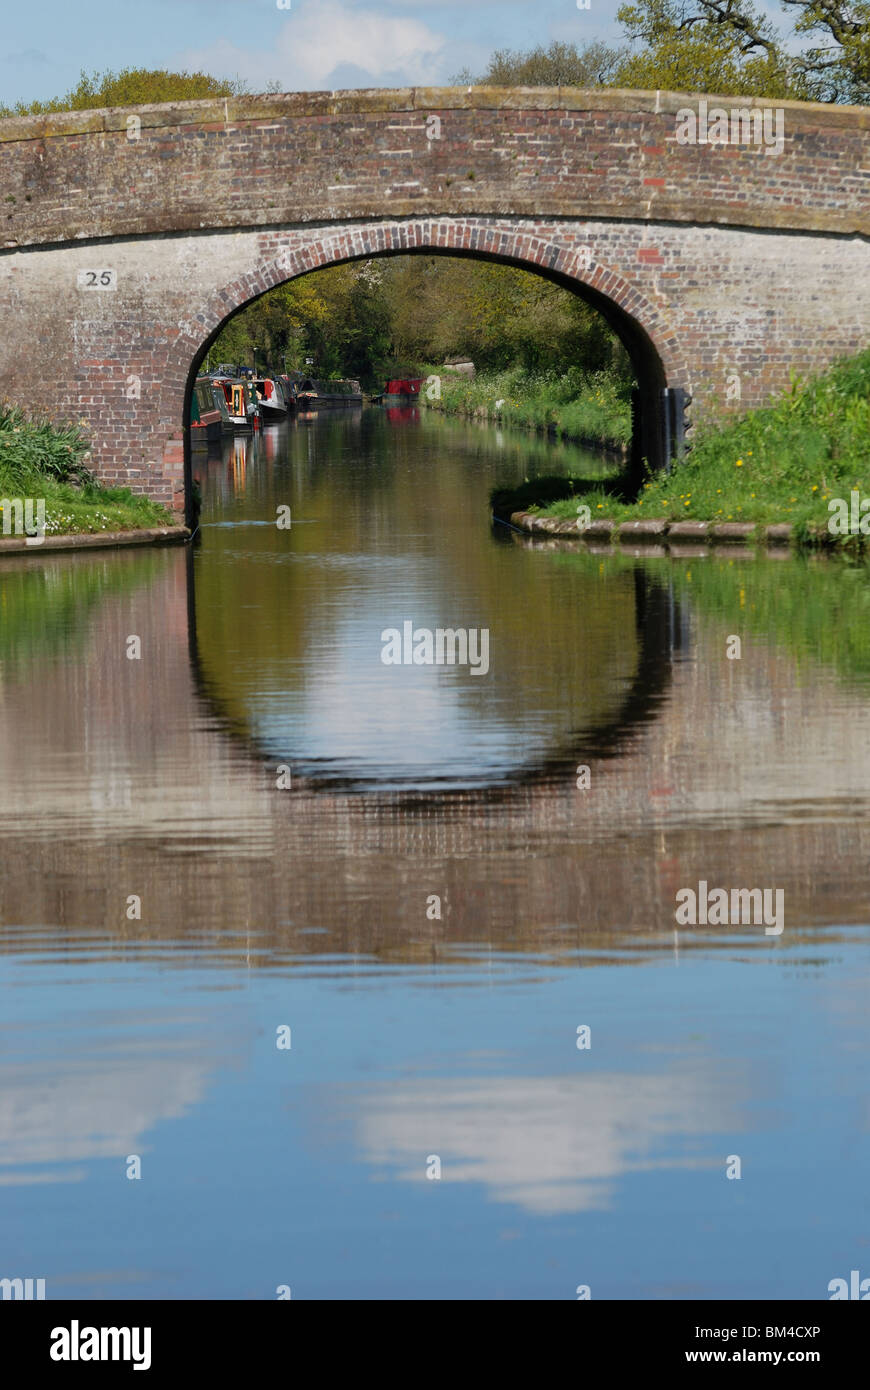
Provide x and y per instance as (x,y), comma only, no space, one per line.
(326,395)
(402,390)
(252,405)
(205,414)
(236,398)
(288,386)
(270,398)
(220,400)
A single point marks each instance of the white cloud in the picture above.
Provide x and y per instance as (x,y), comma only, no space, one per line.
(551,1144)
(320,47)
(64,1111)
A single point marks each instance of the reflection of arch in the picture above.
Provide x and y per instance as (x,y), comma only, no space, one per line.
(660,625)
(642,326)
(661,632)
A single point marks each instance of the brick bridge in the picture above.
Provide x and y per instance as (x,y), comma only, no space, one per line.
(129,237)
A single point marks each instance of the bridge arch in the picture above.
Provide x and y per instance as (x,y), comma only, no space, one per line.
(641,325)
(726,266)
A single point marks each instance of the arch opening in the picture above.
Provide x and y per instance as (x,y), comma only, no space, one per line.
(636,323)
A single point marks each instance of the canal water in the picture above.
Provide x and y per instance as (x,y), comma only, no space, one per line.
(348,979)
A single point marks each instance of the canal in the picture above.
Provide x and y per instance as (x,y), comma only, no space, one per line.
(363,980)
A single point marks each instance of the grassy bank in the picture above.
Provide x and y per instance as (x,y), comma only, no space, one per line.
(783,463)
(585,409)
(43,461)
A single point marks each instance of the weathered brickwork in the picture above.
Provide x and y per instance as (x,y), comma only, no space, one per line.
(724,268)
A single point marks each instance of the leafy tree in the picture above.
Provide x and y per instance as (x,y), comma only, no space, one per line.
(728,46)
(497,316)
(688,49)
(131,87)
(560,65)
(389,317)
(839,69)
(338,316)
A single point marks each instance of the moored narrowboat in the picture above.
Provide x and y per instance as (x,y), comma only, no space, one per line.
(403,390)
(220,401)
(270,398)
(205,415)
(288,387)
(252,405)
(326,395)
(236,399)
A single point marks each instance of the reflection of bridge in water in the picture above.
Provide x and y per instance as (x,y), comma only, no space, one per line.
(120,779)
(661,630)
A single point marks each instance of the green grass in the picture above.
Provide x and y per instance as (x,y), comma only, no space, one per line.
(783,463)
(592,409)
(41,460)
(557,494)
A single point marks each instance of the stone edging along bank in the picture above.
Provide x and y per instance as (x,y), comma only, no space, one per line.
(96,540)
(659,532)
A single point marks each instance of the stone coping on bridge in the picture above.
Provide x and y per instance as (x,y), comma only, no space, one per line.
(661,532)
(283,105)
(96,540)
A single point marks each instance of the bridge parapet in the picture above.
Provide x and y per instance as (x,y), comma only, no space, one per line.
(311,157)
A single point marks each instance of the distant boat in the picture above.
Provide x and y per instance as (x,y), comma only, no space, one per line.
(252,405)
(326,395)
(271,398)
(206,419)
(288,386)
(401,390)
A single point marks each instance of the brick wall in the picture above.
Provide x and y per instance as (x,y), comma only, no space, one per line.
(724,267)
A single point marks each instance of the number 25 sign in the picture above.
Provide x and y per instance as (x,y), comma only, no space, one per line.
(97,280)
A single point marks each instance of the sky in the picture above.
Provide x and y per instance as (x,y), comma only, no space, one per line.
(306,45)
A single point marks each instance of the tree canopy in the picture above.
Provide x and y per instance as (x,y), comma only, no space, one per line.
(819,52)
(730,47)
(381,318)
(560,65)
(130,87)
(687,46)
